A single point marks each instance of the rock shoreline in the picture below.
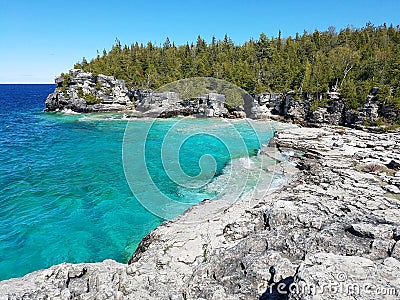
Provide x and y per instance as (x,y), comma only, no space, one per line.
(333,232)
(84,92)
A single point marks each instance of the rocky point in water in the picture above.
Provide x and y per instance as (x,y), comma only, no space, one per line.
(84,92)
(80,91)
(331,232)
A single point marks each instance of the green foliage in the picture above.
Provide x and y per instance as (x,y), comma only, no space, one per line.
(318,103)
(393,101)
(97,86)
(80,92)
(352,60)
(91,99)
(380,122)
(191,89)
(66,81)
(388,126)
(367,122)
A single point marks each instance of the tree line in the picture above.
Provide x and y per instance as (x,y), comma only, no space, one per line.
(351,61)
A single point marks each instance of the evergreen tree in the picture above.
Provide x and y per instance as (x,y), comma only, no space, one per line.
(352,60)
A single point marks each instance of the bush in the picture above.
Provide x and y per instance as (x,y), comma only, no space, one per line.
(91,99)
(108,92)
(367,122)
(318,103)
(97,86)
(65,84)
(80,92)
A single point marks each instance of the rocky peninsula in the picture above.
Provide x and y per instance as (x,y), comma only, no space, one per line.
(331,232)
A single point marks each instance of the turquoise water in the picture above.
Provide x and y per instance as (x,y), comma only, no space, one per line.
(63,191)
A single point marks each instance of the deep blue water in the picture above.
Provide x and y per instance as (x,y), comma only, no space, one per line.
(64,194)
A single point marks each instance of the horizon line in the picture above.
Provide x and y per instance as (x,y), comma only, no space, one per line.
(27,82)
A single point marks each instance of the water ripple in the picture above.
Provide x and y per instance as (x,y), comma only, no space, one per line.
(63,194)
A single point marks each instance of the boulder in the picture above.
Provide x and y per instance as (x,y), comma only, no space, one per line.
(148,100)
(169,104)
(263,105)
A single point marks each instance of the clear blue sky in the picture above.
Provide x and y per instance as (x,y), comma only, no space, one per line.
(40,39)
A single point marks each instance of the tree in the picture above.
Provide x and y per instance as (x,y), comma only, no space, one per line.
(167,44)
(353,60)
(342,60)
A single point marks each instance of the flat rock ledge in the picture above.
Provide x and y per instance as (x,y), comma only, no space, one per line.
(332,232)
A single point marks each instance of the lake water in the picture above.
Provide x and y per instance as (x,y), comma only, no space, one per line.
(72,188)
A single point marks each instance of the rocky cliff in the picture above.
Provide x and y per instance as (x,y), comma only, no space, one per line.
(301,111)
(333,232)
(80,91)
(83,92)
(168,104)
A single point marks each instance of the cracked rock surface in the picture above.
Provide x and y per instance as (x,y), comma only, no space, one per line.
(331,233)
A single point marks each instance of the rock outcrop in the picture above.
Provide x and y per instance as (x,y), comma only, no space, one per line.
(82,92)
(332,114)
(368,114)
(332,232)
(284,106)
(168,104)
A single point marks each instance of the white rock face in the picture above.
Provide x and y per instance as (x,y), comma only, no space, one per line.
(334,225)
(168,104)
(110,94)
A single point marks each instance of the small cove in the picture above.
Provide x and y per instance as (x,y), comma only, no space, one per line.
(63,191)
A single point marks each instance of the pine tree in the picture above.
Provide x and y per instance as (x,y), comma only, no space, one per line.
(353,60)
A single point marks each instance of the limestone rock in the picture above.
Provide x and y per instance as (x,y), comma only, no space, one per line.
(369,230)
(369,111)
(332,232)
(264,105)
(330,276)
(392,189)
(270,105)
(106,93)
(390,112)
(168,104)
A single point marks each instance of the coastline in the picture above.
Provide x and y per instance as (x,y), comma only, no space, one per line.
(340,214)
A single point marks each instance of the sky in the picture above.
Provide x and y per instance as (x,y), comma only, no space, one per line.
(42,38)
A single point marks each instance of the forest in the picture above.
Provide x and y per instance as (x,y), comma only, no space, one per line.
(351,60)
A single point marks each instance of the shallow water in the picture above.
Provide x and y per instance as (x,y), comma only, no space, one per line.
(64,194)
